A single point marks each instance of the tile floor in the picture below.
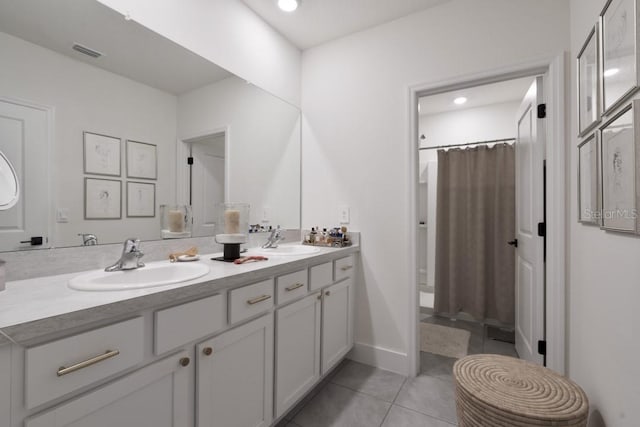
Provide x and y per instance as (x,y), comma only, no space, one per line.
(357,395)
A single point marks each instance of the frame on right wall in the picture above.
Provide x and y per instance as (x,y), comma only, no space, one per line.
(589,209)
(619,52)
(619,147)
(588,66)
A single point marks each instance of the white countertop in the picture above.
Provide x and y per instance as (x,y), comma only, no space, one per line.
(47,298)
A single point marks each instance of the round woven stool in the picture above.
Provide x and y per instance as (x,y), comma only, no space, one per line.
(501,391)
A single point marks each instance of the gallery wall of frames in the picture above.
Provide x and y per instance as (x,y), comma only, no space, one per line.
(608,79)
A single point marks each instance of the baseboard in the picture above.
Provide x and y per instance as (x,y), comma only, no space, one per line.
(383,358)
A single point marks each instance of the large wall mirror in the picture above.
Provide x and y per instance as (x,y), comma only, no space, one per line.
(99,116)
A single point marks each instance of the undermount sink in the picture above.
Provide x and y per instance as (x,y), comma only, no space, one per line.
(148,276)
(289,250)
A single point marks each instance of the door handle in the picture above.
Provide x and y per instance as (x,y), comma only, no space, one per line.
(513,243)
(34,241)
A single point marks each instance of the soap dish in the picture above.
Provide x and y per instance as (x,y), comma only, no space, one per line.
(188,258)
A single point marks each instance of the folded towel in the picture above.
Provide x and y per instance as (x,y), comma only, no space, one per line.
(251,258)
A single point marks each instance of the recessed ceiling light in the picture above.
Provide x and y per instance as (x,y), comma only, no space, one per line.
(460,100)
(611,72)
(288,5)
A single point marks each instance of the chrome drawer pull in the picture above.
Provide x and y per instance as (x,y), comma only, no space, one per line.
(293,287)
(108,355)
(347,267)
(258,299)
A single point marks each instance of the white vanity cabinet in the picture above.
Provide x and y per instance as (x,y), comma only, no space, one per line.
(314,333)
(234,377)
(154,396)
(297,350)
(240,356)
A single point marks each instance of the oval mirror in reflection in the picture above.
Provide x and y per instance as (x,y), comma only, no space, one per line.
(9,186)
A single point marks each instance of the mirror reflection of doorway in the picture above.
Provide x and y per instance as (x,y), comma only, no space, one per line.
(207,181)
(24,136)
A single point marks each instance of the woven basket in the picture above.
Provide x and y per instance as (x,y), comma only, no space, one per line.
(500,391)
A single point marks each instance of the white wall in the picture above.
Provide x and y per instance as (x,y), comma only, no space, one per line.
(355,129)
(496,121)
(227,33)
(86,98)
(604,292)
(489,122)
(264,145)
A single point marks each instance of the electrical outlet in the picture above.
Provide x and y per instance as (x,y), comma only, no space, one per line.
(343,214)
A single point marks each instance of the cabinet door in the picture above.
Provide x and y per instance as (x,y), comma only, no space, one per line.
(337,323)
(297,350)
(5,384)
(154,396)
(235,377)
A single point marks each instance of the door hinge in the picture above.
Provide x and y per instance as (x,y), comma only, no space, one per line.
(542,229)
(189,160)
(542,111)
(542,347)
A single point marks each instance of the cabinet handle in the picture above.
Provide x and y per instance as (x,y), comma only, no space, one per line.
(107,355)
(293,287)
(184,361)
(327,293)
(347,267)
(208,351)
(258,299)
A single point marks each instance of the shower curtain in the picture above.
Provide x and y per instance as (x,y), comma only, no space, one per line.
(475,218)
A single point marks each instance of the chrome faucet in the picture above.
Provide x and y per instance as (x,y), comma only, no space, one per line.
(130,258)
(274,238)
(88,239)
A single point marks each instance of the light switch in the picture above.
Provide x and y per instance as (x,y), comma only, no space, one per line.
(266,213)
(62,215)
(343,214)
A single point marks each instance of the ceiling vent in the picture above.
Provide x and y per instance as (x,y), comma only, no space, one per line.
(86,51)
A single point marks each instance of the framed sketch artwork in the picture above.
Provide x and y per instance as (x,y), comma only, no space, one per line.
(588,83)
(102,198)
(619,51)
(141,199)
(588,179)
(101,154)
(619,148)
(141,160)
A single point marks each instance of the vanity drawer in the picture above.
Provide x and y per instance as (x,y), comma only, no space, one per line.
(344,268)
(321,276)
(60,367)
(251,300)
(291,286)
(184,323)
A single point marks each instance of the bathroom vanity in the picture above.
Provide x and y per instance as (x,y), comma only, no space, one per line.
(239,346)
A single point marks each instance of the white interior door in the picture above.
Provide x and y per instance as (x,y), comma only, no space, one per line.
(24,140)
(529,213)
(207,183)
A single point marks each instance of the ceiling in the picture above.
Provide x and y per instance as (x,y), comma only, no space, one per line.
(495,93)
(129,49)
(318,21)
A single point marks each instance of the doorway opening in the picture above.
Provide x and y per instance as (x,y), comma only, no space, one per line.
(552,95)
(467,216)
(207,182)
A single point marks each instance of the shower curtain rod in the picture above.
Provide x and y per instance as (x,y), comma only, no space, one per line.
(467,144)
